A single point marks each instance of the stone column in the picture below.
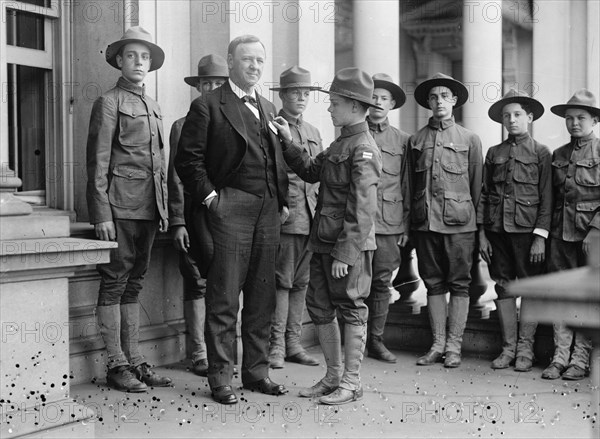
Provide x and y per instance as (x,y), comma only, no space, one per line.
(551,67)
(482,74)
(377,40)
(482,67)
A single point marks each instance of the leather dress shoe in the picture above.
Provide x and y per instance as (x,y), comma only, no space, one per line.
(276,362)
(523,364)
(377,350)
(316,391)
(200,367)
(502,361)
(342,396)
(267,387)
(302,358)
(452,359)
(429,358)
(553,372)
(224,395)
(146,375)
(574,373)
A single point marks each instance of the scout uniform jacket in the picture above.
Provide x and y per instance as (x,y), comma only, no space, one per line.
(393,191)
(302,196)
(517,187)
(576,181)
(125,157)
(447,170)
(349,171)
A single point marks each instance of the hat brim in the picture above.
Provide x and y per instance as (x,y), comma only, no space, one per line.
(423,89)
(561,109)
(300,85)
(353,97)
(397,93)
(156,53)
(495,111)
(194,80)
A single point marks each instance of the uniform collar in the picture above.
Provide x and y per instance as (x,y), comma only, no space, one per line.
(351,130)
(518,139)
(442,124)
(379,127)
(291,119)
(131,87)
(578,142)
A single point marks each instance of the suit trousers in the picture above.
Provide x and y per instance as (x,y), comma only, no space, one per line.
(245,230)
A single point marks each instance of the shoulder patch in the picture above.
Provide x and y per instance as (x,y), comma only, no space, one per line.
(367,155)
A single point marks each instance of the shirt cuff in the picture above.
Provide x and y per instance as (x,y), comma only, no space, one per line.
(541,232)
(212,194)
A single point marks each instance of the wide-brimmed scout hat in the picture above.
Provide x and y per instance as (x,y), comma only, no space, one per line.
(583,99)
(353,83)
(295,77)
(136,34)
(441,80)
(515,97)
(385,81)
(209,66)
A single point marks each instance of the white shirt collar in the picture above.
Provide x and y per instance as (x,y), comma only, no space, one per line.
(239,92)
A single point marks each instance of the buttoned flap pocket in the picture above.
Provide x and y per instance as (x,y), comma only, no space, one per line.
(491,206)
(587,172)
(331,223)
(133,124)
(526,170)
(559,172)
(313,146)
(392,208)
(455,158)
(418,208)
(127,187)
(458,208)
(585,212)
(423,158)
(499,165)
(526,212)
(391,158)
(337,171)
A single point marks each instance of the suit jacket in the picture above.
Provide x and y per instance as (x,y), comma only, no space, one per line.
(213,145)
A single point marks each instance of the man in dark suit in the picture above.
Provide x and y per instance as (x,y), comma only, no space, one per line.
(230,160)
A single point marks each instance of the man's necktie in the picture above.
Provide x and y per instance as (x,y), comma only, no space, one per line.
(251,100)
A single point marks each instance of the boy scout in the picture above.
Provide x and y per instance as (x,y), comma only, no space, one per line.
(393,209)
(343,235)
(514,216)
(575,220)
(293,256)
(212,73)
(447,167)
(127,199)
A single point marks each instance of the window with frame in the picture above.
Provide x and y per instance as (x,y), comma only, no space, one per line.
(31,104)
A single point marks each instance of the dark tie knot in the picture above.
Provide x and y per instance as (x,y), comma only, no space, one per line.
(251,100)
